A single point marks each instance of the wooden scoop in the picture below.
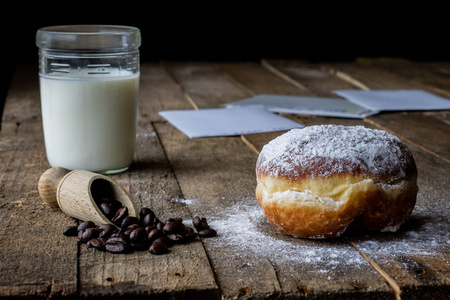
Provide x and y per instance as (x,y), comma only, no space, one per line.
(73,192)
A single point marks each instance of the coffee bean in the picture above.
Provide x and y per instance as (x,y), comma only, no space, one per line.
(128,231)
(138,235)
(120,215)
(138,238)
(127,221)
(106,209)
(114,205)
(174,227)
(120,232)
(208,232)
(189,236)
(160,225)
(116,245)
(107,227)
(106,230)
(115,248)
(175,220)
(164,239)
(186,237)
(89,234)
(145,211)
(196,221)
(200,223)
(204,223)
(154,234)
(70,231)
(134,226)
(105,233)
(122,236)
(148,220)
(98,243)
(86,224)
(188,229)
(149,228)
(158,248)
(175,237)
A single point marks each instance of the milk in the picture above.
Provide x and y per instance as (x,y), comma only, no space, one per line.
(91,123)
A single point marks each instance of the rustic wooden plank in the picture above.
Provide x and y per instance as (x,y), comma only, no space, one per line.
(203,82)
(310,76)
(157,92)
(433,75)
(35,258)
(22,103)
(255,80)
(250,258)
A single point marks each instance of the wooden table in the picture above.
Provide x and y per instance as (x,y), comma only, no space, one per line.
(214,178)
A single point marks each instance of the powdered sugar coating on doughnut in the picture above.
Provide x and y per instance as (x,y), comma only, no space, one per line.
(322,151)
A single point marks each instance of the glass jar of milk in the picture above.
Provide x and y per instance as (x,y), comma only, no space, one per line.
(89,85)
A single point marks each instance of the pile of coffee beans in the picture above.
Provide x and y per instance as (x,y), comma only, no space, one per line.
(145,232)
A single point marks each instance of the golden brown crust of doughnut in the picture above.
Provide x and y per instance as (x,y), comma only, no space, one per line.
(362,205)
(298,200)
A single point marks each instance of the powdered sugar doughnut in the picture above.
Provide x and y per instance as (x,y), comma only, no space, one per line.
(317,181)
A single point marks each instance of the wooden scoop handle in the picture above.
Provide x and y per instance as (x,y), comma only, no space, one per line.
(48,184)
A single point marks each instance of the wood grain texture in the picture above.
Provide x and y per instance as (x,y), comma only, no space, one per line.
(215,178)
(35,258)
(433,75)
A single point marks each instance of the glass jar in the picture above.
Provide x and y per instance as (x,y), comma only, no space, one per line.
(89,88)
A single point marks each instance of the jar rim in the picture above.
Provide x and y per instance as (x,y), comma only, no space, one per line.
(88,37)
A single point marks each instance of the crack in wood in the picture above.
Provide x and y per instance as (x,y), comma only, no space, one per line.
(347,78)
(280,74)
(190,100)
(389,280)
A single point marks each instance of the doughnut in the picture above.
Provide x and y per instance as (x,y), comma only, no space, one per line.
(321,181)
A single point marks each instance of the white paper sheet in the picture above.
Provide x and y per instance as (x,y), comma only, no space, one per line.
(227,121)
(318,106)
(395,100)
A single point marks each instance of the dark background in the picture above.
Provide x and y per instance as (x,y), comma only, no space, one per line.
(233,32)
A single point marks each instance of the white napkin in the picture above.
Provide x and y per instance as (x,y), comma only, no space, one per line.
(318,106)
(395,100)
(227,121)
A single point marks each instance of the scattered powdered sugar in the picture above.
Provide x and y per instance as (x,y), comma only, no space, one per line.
(324,150)
(425,234)
(244,228)
(185,201)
